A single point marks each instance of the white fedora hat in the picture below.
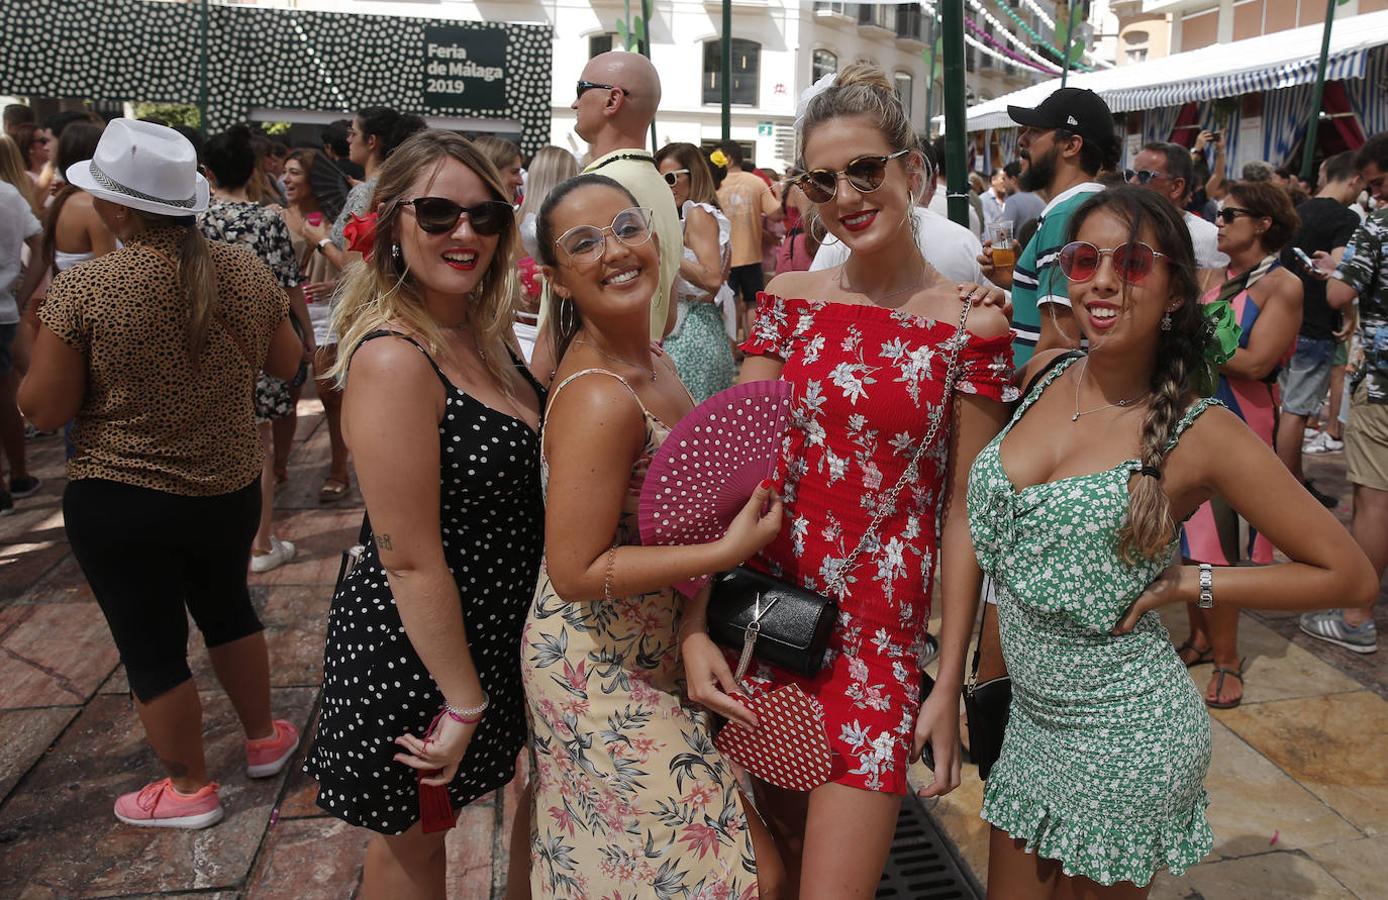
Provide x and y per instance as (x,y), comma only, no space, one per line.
(143,166)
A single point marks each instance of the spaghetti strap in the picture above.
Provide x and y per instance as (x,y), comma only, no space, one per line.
(577,375)
(384,332)
(1193,412)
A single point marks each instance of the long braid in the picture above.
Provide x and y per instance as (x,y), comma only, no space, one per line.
(1148,528)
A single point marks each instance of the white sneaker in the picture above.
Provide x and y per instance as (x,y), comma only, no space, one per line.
(280,553)
(1323,443)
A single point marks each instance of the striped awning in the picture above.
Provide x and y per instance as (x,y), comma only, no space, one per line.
(1271,62)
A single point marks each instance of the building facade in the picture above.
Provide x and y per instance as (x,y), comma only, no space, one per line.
(1201,23)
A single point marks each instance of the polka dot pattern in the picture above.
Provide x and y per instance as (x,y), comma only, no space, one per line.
(790,749)
(258,57)
(375,688)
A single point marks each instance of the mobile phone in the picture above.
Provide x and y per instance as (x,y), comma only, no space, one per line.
(1306,261)
(1216,135)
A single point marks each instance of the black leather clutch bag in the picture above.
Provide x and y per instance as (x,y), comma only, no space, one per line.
(986,706)
(788,626)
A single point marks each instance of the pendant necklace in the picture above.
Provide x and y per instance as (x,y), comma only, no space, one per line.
(1121,404)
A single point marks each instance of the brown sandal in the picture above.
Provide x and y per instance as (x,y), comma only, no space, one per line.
(1220,674)
(1201,656)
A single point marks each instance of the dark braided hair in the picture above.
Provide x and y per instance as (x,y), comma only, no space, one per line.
(1180,363)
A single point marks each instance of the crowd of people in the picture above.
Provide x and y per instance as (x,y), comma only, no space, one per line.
(1089,403)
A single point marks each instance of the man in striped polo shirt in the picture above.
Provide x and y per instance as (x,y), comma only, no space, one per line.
(1065,142)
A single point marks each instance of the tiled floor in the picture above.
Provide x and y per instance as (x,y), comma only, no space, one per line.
(1299,782)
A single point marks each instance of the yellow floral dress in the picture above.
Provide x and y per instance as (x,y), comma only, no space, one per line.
(631,799)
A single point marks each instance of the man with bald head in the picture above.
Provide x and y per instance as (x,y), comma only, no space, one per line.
(617,100)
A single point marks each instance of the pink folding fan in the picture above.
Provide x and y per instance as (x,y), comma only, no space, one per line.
(709,465)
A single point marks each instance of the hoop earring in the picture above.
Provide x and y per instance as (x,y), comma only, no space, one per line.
(818,238)
(567,306)
(1166,322)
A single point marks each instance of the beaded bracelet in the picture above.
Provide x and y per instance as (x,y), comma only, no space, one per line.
(471,715)
(607,578)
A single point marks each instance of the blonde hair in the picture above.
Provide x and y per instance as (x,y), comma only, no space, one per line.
(501,152)
(378,291)
(861,89)
(12,170)
(549,166)
(197,276)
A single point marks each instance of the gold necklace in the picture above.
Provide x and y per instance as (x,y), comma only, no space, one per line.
(1121,404)
(614,359)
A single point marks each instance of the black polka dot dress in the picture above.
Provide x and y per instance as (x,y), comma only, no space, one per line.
(374,686)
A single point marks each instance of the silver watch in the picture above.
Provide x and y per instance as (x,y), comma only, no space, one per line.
(1206,586)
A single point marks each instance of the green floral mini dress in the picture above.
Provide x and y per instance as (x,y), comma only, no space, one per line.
(1108,741)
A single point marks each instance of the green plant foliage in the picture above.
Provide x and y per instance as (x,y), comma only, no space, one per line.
(171,113)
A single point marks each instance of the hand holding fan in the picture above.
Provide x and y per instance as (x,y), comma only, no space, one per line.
(710,464)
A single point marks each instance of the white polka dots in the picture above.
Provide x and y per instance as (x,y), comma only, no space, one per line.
(370,698)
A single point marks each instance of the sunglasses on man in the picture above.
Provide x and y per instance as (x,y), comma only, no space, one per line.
(439,215)
(586,86)
(1133,261)
(1141,176)
(865,174)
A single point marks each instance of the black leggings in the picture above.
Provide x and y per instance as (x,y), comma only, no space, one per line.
(149,554)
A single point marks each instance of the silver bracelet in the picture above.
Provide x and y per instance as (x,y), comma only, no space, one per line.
(1206,587)
(470,715)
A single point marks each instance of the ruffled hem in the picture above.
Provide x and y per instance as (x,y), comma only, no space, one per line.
(1104,850)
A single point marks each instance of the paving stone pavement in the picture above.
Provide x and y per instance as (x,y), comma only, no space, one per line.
(1299,782)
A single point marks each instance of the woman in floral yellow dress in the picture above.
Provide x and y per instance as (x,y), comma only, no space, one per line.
(631,799)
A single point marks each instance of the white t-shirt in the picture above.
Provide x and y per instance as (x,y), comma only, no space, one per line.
(939,204)
(948,246)
(1204,236)
(17,225)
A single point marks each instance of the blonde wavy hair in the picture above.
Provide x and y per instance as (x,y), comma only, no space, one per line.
(378,292)
(12,171)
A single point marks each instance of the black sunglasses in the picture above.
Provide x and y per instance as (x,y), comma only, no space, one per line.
(865,174)
(1229,213)
(439,215)
(586,86)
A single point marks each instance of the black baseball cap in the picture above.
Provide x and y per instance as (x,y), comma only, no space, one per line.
(1077,110)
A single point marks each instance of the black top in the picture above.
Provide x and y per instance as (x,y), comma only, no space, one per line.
(1325,224)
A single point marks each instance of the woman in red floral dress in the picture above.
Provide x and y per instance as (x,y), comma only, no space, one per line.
(868,357)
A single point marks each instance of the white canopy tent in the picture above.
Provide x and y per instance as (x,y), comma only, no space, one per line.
(1271,62)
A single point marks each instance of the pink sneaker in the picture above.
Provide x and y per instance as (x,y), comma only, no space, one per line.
(160,805)
(267,756)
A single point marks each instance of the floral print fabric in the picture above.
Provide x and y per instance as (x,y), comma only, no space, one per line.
(868,383)
(631,798)
(1108,741)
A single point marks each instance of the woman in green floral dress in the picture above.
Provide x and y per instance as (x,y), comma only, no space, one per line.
(631,799)
(706,315)
(1072,509)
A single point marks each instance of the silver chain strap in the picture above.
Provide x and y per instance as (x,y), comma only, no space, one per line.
(839,582)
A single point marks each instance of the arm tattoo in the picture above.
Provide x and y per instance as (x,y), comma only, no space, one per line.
(383,541)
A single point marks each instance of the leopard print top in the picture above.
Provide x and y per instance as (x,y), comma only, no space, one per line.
(151,418)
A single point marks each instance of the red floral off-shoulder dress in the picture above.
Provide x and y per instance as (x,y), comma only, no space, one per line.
(868,382)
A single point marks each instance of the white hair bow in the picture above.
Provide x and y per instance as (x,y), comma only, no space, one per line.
(808,94)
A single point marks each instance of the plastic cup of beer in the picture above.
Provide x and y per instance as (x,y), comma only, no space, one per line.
(1000,236)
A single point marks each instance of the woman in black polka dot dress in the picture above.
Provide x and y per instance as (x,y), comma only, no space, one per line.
(441,418)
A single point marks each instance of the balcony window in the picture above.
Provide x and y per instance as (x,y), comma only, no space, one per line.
(822,63)
(879,15)
(905,85)
(842,9)
(746,68)
(600,43)
(910,23)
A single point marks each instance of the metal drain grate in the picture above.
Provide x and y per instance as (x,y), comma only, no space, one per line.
(923,865)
